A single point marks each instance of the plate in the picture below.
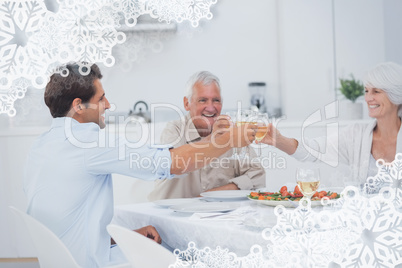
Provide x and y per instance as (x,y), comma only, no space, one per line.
(284,203)
(226,195)
(196,207)
(165,203)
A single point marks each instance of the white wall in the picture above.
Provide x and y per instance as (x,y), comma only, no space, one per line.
(238,45)
(359,45)
(392,30)
(306,56)
(291,45)
(294,46)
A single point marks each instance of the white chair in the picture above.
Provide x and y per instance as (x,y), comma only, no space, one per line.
(139,250)
(50,250)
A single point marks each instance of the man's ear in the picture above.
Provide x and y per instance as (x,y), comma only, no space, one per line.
(77,106)
(186,104)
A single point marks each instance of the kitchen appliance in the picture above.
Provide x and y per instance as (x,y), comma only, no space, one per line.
(262,102)
(257,92)
(139,114)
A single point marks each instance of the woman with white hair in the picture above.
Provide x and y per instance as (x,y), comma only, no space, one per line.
(359,145)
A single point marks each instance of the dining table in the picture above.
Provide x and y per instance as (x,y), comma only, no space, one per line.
(246,232)
(235,228)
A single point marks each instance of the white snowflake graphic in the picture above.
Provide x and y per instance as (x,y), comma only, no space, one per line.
(388,178)
(19,59)
(36,35)
(379,244)
(16,91)
(138,46)
(87,36)
(193,257)
(131,10)
(181,10)
(257,258)
(304,238)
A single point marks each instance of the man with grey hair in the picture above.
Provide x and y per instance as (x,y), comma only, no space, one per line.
(203,101)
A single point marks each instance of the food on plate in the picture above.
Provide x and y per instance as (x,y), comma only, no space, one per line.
(296,195)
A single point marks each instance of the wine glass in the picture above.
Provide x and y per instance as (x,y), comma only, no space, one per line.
(240,117)
(308,180)
(261,120)
(234,117)
(245,117)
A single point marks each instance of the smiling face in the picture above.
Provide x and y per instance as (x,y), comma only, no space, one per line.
(94,110)
(378,103)
(205,105)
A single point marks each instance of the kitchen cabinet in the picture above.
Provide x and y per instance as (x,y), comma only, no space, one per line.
(306,56)
(320,41)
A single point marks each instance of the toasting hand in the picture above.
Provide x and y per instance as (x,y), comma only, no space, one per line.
(275,138)
(237,135)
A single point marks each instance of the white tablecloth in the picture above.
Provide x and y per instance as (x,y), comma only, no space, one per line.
(353,231)
(178,230)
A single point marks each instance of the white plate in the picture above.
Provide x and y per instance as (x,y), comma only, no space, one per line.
(284,203)
(205,207)
(226,195)
(165,203)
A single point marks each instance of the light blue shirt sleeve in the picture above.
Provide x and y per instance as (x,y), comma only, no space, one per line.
(146,162)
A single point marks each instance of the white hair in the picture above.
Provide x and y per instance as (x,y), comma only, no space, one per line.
(205,77)
(388,77)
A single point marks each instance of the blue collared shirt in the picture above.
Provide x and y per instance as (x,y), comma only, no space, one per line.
(69,188)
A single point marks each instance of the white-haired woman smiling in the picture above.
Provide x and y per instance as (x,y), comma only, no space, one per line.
(359,145)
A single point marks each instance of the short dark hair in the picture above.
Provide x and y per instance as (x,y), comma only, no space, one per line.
(74,80)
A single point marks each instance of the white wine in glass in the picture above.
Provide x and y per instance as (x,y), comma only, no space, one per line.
(235,116)
(261,120)
(308,181)
(261,132)
(242,117)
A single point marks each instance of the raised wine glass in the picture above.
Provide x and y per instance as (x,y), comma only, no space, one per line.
(240,117)
(261,120)
(308,180)
(234,117)
(245,117)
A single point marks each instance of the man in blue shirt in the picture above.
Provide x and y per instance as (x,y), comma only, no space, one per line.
(68,173)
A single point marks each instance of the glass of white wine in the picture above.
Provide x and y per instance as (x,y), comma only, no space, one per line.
(261,120)
(239,118)
(234,117)
(245,117)
(308,180)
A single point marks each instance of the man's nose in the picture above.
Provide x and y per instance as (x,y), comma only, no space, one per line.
(210,106)
(107,104)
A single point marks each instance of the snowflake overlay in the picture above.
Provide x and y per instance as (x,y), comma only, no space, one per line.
(357,230)
(19,61)
(36,35)
(388,178)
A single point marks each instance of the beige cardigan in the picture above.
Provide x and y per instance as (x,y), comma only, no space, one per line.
(353,148)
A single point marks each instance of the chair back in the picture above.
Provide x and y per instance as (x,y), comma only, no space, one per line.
(139,250)
(50,250)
